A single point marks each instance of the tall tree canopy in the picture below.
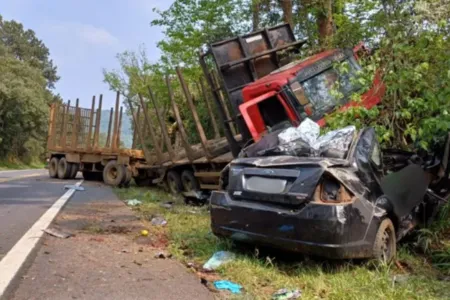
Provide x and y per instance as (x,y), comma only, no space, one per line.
(26,74)
(25,46)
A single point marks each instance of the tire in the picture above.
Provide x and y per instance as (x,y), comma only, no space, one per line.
(63,169)
(385,245)
(174,182)
(113,173)
(190,183)
(53,167)
(74,167)
(127,178)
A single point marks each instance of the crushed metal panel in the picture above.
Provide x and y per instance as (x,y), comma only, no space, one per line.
(405,189)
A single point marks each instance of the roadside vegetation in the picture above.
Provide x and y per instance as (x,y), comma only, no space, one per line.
(417,274)
(27,78)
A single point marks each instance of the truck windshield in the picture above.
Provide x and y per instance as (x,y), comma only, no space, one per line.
(321,93)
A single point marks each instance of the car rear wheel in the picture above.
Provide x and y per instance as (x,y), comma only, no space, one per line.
(385,245)
(63,169)
(190,183)
(53,167)
(174,182)
(113,173)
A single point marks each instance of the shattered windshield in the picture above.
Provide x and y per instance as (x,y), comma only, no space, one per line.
(329,88)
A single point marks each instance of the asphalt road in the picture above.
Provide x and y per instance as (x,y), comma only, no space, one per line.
(24,196)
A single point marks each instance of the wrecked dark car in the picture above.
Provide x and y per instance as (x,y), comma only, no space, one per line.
(341,198)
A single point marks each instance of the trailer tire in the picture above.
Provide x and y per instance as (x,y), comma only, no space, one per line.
(113,173)
(64,168)
(127,178)
(74,167)
(385,244)
(190,183)
(174,182)
(53,167)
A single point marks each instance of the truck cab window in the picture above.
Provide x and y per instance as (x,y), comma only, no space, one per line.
(273,114)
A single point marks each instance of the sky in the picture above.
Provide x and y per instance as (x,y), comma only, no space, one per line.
(84,38)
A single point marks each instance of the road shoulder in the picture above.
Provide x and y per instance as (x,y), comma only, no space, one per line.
(105,259)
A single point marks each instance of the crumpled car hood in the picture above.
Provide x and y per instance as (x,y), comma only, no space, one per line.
(274,161)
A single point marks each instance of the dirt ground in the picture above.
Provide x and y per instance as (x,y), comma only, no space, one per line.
(106,258)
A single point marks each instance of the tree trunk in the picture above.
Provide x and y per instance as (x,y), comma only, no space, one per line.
(256,5)
(325,21)
(286,6)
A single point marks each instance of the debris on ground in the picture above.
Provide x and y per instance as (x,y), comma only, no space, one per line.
(57,233)
(74,187)
(126,251)
(162,254)
(228,285)
(168,204)
(158,221)
(218,259)
(285,294)
(144,232)
(133,202)
(400,279)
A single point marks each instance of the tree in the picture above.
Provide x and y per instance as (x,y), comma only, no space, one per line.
(25,46)
(287,6)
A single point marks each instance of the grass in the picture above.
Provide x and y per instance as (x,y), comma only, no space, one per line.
(262,272)
(18,165)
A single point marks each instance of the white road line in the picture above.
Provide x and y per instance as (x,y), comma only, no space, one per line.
(14,259)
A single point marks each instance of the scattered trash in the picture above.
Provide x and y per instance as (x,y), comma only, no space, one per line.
(144,232)
(126,251)
(228,285)
(74,187)
(159,221)
(400,279)
(167,205)
(133,202)
(137,263)
(218,259)
(190,265)
(162,254)
(285,294)
(204,281)
(57,233)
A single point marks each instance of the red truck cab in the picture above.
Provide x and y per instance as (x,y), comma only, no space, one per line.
(303,89)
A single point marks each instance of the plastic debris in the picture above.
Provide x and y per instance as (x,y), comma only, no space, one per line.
(57,233)
(218,259)
(308,131)
(228,285)
(284,294)
(74,187)
(144,232)
(159,221)
(167,205)
(133,202)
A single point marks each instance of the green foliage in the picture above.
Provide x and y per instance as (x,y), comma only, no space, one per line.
(25,46)
(414,62)
(25,75)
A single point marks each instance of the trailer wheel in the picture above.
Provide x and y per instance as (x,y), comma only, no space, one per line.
(385,245)
(74,167)
(127,178)
(174,182)
(63,169)
(53,167)
(89,176)
(190,183)
(113,173)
